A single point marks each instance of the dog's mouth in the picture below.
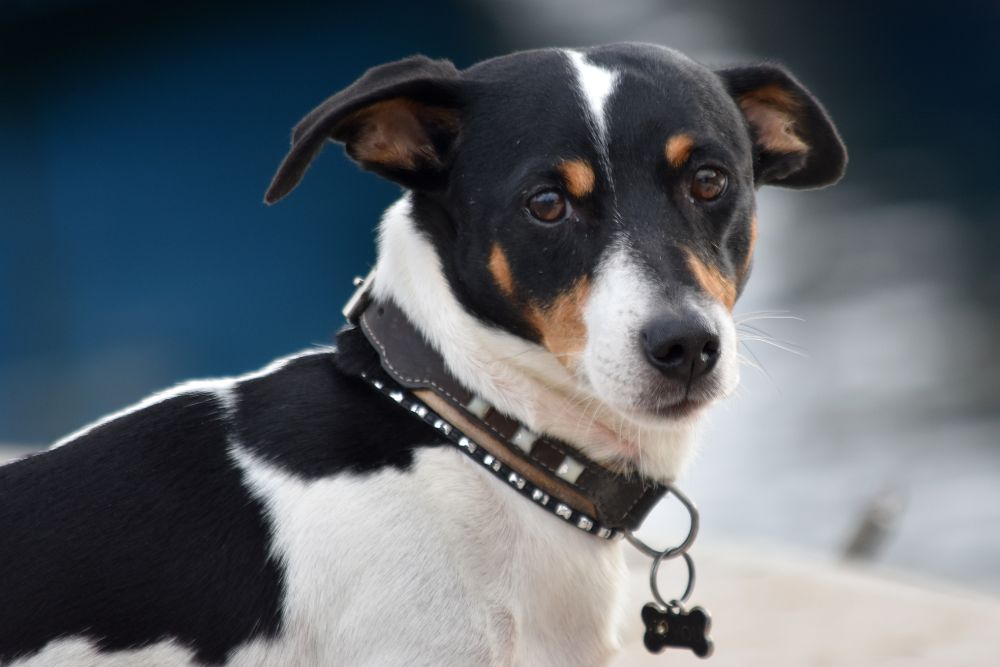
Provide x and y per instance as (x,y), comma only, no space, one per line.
(686,407)
(654,410)
(665,414)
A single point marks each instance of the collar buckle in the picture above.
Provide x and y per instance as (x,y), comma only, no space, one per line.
(360,299)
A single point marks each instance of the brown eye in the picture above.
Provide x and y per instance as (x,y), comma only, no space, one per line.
(708,184)
(548,206)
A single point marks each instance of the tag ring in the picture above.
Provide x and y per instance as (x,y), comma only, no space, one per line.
(680,549)
(676,603)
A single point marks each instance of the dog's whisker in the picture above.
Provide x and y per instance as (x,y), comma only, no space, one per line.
(752,364)
(774,343)
(766,315)
(741,328)
(760,366)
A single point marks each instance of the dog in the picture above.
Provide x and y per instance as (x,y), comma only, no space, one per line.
(575,228)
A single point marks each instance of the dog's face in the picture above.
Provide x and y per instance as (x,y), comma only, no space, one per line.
(598,203)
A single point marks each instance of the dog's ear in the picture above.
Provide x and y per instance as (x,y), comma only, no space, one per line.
(399,120)
(795,142)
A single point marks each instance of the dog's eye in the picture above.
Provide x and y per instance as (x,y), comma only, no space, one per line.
(548,206)
(708,184)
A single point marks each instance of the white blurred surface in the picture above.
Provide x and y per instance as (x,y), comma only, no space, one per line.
(781,610)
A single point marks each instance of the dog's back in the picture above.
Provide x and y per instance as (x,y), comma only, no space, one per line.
(91,545)
(143,528)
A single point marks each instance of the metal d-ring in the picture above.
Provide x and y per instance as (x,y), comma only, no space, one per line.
(675,603)
(681,549)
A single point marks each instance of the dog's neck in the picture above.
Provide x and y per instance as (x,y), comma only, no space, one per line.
(519,377)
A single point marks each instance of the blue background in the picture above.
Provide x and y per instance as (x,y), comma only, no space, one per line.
(137,145)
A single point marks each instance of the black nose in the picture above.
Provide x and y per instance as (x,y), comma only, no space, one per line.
(682,348)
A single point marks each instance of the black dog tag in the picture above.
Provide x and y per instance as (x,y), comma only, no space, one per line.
(677,628)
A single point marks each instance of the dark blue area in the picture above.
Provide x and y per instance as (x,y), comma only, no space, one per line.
(135,250)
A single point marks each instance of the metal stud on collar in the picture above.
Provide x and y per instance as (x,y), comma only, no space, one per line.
(498,468)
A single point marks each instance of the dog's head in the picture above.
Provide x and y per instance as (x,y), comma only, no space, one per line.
(597,203)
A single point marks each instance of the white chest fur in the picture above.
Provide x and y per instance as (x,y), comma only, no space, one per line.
(439,565)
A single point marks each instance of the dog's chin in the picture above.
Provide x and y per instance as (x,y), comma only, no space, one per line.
(653,440)
(623,433)
(650,430)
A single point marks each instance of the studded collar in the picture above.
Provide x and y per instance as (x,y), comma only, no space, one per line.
(548,472)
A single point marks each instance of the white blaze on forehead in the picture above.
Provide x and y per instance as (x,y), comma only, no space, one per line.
(596,85)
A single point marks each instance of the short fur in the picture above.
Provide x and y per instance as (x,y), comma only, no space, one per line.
(295,517)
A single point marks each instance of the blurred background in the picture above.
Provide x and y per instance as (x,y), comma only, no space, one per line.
(136,141)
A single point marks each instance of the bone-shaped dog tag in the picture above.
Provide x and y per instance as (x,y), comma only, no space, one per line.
(677,628)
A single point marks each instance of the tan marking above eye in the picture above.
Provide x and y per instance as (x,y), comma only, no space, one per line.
(711,280)
(771,112)
(560,324)
(678,149)
(500,269)
(579,177)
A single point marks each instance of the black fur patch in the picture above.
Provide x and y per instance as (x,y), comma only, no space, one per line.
(142,531)
(138,532)
(314,420)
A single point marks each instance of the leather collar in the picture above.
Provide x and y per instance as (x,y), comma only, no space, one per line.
(547,471)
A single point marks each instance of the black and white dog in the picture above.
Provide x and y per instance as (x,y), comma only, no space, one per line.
(576,228)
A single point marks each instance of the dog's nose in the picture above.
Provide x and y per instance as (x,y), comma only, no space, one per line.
(682,348)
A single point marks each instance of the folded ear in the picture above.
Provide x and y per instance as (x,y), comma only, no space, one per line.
(399,120)
(795,142)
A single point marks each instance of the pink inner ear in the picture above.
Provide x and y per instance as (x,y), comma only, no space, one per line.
(771,111)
